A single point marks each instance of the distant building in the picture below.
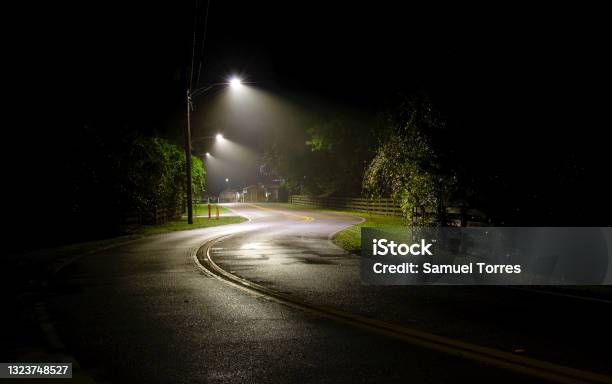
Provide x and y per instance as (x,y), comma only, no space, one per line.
(229,196)
(253,194)
(261,193)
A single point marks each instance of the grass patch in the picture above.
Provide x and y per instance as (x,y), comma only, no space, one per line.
(202,209)
(350,238)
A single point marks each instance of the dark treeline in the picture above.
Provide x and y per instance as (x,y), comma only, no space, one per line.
(513,121)
(101,87)
(99,184)
(522,170)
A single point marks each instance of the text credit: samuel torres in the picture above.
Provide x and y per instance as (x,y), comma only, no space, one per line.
(384,247)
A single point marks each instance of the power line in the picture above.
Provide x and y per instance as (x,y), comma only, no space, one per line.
(193,46)
(203,42)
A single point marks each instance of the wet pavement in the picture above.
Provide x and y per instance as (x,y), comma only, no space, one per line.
(142,312)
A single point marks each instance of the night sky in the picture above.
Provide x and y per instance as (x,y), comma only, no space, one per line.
(118,58)
(525,90)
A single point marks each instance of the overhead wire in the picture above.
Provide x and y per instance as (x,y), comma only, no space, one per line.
(203,44)
(193,45)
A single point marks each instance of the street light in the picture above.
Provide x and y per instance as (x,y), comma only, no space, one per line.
(219,136)
(207,154)
(234,82)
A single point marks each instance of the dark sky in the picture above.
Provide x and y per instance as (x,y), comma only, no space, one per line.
(524,82)
(132,55)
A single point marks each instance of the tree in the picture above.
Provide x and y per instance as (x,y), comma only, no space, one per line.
(407,166)
(328,160)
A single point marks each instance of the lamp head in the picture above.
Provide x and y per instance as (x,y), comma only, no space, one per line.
(235,82)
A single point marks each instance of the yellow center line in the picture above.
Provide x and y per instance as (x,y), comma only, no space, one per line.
(305,218)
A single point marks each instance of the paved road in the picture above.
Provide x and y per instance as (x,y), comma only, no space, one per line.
(143,312)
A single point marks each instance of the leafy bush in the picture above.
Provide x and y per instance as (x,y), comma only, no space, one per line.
(135,175)
(408,168)
(157,177)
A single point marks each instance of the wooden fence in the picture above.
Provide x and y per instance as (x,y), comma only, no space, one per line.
(455,216)
(382,206)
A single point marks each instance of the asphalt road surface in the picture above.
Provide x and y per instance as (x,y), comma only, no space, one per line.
(146,312)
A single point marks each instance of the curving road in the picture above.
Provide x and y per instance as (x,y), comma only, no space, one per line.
(144,312)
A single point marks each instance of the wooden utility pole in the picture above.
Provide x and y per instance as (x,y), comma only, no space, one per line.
(188,160)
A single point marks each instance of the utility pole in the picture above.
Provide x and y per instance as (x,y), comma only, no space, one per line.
(188,160)
(235,83)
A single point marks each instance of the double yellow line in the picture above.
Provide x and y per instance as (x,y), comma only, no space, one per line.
(302,217)
(489,356)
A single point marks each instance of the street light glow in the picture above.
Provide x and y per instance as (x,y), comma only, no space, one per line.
(207,154)
(219,136)
(226,180)
(235,82)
